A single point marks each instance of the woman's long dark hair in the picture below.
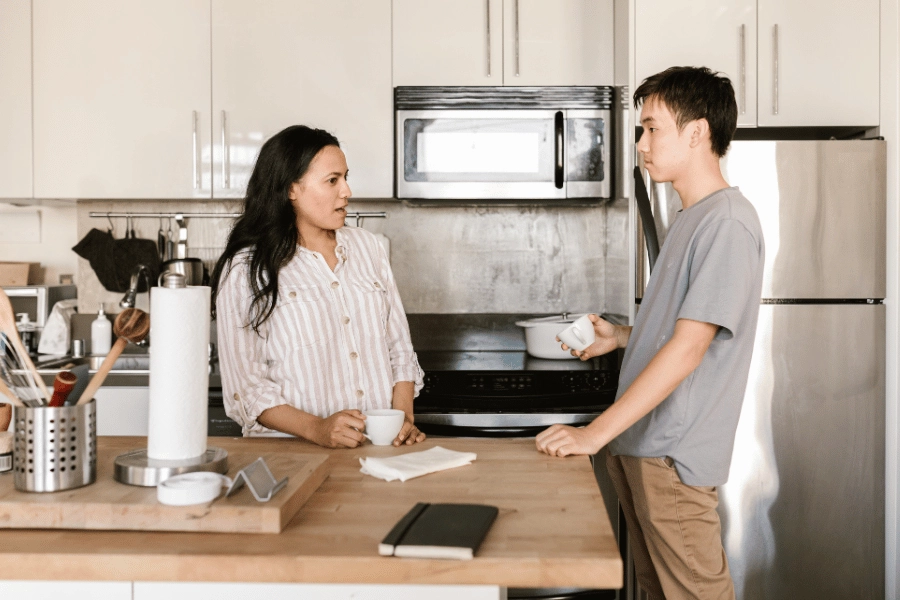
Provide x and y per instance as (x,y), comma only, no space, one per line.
(268,225)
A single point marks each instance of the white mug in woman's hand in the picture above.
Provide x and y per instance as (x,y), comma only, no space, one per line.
(383,425)
(579,335)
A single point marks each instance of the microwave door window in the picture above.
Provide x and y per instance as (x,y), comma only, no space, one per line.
(479,150)
(587,157)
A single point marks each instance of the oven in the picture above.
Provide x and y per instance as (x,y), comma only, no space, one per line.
(480,382)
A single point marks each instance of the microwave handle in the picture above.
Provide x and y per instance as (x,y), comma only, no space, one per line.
(560,145)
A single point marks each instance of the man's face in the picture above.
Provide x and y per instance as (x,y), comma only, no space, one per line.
(664,148)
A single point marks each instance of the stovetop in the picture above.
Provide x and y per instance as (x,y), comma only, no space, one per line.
(478,363)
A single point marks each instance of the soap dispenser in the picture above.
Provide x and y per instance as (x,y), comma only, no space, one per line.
(101,334)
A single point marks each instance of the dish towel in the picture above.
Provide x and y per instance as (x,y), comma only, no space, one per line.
(415,464)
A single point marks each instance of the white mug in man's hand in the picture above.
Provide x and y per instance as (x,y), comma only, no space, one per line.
(579,335)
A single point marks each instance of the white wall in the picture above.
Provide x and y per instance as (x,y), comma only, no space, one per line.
(43,234)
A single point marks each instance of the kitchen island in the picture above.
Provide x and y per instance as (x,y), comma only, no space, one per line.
(552,530)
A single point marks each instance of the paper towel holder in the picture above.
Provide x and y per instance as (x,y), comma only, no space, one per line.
(137,468)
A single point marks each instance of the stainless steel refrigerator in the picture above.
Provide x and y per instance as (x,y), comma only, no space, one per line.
(803,509)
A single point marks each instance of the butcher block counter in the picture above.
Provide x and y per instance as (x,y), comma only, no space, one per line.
(552,529)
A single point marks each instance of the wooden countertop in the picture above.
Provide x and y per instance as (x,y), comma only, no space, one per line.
(552,531)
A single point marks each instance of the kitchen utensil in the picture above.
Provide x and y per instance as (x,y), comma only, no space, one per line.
(170,242)
(63,385)
(58,449)
(5,416)
(161,241)
(8,393)
(192,268)
(540,335)
(82,374)
(132,325)
(22,360)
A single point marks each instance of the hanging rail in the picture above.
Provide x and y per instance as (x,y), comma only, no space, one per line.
(187,215)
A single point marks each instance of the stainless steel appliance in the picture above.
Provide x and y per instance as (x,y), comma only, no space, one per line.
(480,382)
(503,142)
(803,509)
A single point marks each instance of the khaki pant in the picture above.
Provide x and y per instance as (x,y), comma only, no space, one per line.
(674,530)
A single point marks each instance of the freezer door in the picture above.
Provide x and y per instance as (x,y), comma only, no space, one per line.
(803,509)
(822,208)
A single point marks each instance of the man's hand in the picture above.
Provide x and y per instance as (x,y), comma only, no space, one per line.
(340,430)
(563,440)
(409,433)
(606,340)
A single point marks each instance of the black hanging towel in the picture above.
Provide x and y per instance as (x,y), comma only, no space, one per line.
(114,260)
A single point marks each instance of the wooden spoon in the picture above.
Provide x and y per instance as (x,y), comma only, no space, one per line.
(132,325)
(8,326)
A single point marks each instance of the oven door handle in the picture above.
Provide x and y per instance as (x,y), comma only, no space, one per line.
(560,145)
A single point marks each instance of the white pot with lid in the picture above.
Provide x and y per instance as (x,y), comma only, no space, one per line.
(541,332)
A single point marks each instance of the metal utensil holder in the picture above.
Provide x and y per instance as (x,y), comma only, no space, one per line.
(54,449)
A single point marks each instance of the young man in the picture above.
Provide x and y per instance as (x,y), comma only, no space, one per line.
(670,433)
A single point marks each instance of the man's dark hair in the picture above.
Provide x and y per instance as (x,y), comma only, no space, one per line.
(692,93)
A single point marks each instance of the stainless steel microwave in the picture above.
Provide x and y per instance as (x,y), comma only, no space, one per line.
(503,142)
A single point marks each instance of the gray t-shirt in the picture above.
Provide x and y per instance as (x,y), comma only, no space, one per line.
(710,269)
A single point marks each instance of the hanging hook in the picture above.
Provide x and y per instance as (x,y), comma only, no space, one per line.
(112,228)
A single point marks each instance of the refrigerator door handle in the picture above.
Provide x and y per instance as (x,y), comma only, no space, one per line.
(647,221)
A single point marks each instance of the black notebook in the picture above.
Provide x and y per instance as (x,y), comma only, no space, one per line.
(439,531)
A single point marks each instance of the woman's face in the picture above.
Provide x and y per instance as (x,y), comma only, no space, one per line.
(320,196)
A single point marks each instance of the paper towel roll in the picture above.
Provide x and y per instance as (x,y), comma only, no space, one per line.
(179,372)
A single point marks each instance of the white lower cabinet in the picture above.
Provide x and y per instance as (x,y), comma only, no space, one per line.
(68,590)
(123,410)
(147,590)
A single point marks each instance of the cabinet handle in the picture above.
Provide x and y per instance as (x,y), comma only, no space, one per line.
(743,69)
(488,3)
(196,166)
(516,6)
(775,60)
(225,179)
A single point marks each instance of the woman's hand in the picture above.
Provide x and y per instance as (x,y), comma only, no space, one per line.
(341,430)
(402,399)
(409,433)
(563,440)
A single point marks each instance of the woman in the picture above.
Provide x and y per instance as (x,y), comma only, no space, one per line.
(311,329)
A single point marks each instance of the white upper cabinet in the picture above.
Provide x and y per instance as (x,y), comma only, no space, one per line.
(503,42)
(121,99)
(818,63)
(819,69)
(710,33)
(558,42)
(448,42)
(15,99)
(324,63)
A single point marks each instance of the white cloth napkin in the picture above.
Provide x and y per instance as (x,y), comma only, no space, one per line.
(414,464)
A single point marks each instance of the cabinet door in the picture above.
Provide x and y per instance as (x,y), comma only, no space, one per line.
(15,99)
(121,99)
(822,65)
(668,34)
(558,42)
(323,63)
(448,42)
